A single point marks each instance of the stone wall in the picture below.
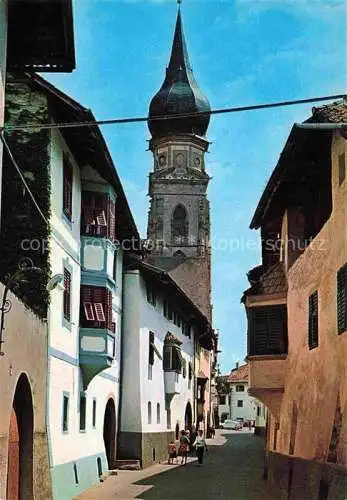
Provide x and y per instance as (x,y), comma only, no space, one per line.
(25,350)
(149,447)
(300,479)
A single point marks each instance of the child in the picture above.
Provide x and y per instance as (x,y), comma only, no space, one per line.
(172,452)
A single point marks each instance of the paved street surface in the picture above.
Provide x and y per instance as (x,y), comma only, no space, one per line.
(232,470)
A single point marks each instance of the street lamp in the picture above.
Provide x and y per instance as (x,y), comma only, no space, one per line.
(14,281)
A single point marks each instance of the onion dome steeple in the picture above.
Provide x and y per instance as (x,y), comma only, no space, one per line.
(179,93)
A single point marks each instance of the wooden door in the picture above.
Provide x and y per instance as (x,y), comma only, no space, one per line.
(13,459)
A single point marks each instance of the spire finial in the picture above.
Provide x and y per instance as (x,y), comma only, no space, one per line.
(179,3)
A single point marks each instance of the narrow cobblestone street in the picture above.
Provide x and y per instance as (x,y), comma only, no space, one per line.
(232,469)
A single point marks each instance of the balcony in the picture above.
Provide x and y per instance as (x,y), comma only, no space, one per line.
(267,353)
(171,382)
(96,352)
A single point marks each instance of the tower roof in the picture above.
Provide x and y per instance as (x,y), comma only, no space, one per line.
(179,94)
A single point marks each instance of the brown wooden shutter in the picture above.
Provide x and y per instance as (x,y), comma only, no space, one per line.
(268,330)
(342,299)
(313,321)
(111,220)
(67,295)
(67,187)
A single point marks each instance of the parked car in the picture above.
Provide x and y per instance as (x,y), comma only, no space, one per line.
(231,424)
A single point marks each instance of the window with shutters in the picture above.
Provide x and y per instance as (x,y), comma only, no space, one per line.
(172,359)
(67,295)
(67,187)
(342,299)
(267,330)
(149,412)
(342,168)
(96,308)
(313,320)
(98,215)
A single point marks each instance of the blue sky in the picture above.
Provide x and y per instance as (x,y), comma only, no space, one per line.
(243,52)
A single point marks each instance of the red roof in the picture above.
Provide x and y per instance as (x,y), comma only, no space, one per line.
(239,375)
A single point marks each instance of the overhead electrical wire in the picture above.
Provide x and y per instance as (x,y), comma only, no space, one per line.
(15,164)
(178,116)
(9,128)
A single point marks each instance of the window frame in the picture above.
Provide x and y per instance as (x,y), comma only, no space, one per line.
(94,413)
(237,388)
(65,418)
(313,320)
(67,188)
(67,295)
(98,300)
(238,403)
(341,299)
(342,168)
(83,414)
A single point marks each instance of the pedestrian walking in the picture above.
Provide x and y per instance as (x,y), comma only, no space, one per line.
(172,452)
(184,447)
(193,435)
(200,445)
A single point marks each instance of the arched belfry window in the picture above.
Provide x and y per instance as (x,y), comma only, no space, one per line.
(179,225)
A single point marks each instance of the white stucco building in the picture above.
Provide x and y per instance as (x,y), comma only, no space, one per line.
(238,403)
(161,332)
(89,220)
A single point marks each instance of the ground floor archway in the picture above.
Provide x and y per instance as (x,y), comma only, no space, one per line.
(20,445)
(188,417)
(110,432)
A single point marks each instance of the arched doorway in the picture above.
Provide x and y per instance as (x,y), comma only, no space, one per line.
(188,417)
(110,433)
(20,446)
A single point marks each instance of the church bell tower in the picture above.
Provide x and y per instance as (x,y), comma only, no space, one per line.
(179,221)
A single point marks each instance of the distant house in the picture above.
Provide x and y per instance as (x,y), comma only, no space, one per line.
(237,403)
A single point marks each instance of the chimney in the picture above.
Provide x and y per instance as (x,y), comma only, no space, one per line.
(237,365)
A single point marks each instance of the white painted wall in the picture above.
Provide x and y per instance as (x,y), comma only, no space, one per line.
(140,318)
(248,411)
(64,371)
(130,416)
